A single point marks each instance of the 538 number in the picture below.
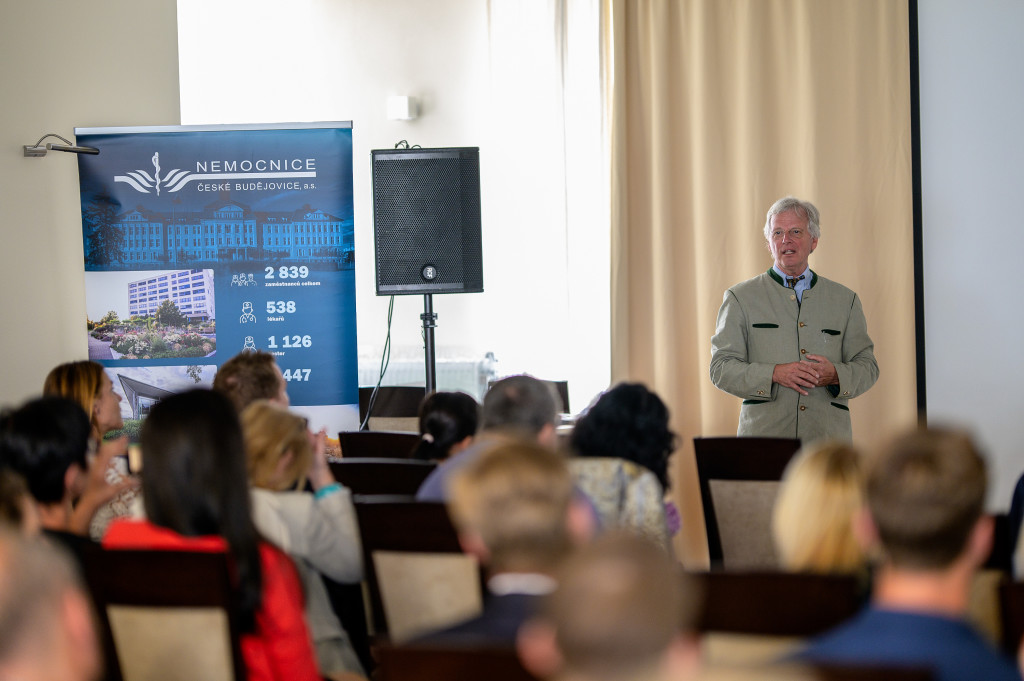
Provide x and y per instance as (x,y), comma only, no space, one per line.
(280,306)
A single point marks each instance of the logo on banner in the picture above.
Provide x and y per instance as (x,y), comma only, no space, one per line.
(216,175)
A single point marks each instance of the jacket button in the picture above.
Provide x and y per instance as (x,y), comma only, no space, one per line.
(803,407)
(803,351)
(802,325)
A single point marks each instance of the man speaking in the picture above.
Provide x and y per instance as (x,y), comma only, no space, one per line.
(793,345)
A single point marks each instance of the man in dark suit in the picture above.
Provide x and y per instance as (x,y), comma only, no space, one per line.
(622,611)
(515,510)
(925,497)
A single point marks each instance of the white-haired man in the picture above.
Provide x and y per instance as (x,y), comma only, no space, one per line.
(793,345)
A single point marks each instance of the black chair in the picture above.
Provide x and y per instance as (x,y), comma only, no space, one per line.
(165,614)
(837,672)
(392,402)
(394,528)
(381,476)
(737,459)
(776,603)
(377,443)
(1003,544)
(444,663)
(1011,610)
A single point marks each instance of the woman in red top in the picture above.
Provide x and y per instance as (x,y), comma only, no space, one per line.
(196,496)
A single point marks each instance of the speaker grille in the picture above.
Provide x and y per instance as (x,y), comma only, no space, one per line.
(426,210)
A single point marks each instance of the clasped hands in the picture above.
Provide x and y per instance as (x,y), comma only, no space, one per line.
(814,371)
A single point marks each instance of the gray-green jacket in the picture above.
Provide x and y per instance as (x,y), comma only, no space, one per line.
(760,325)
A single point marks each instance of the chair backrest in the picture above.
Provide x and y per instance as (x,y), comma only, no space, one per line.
(777,603)
(444,663)
(754,617)
(1003,543)
(381,476)
(837,672)
(738,482)
(396,407)
(1011,608)
(418,578)
(377,443)
(169,614)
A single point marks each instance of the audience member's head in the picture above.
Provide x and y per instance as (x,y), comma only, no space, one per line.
(195,481)
(926,493)
(448,422)
(89,385)
(622,610)
(277,446)
(45,441)
(822,492)
(629,422)
(514,509)
(46,622)
(522,406)
(17,507)
(249,376)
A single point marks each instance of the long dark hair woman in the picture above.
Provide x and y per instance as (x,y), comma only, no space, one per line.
(196,496)
(448,423)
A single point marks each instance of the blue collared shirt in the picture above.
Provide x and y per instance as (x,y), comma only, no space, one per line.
(801,285)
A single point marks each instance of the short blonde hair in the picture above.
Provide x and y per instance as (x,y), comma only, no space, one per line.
(812,524)
(516,497)
(270,431)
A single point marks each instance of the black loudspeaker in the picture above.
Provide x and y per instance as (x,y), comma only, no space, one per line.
(426,220)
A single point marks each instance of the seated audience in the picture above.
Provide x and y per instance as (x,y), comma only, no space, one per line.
(45,442)
(197,499)
(318,530)
(622,611)
(925,499)
(514,509)
(812,524)
(251,375)
(517,407)
(88,384)
(622,446)
(448,422)
(46,620)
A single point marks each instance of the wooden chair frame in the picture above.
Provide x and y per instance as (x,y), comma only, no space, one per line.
(736,458)
(161,579)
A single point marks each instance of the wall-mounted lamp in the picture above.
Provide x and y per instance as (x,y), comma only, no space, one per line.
(36,150)
(402,108)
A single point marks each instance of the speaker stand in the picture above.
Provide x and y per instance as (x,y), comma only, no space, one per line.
(429,323)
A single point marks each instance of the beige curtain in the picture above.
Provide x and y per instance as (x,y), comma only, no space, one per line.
(715,108)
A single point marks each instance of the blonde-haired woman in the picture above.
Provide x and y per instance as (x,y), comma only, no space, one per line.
(812,524)
(88,384)
(318,530)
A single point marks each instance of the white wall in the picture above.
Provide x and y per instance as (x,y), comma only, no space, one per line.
(972,105)
(65,65)
(485,75)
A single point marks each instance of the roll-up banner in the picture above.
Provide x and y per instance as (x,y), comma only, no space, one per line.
(201,242)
